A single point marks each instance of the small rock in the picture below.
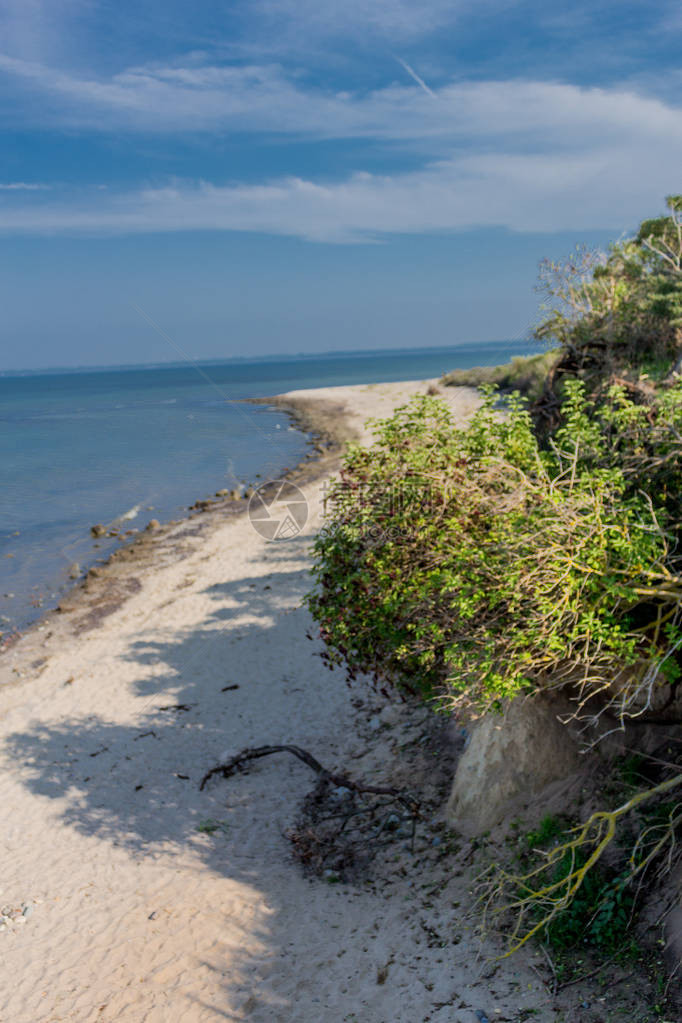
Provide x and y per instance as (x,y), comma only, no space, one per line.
(74,570)
(392,822)
(27,910)
(152,525)
(222,493)
(341,792)
(236,495)
(249,492)
(375,723)
(97,530)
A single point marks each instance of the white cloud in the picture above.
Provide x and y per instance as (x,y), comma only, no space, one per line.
(526,155)
(22,186)
(393,19)
(608,188)
(40,29)
(265,99)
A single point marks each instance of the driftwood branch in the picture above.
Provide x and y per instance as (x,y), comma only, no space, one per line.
(342,830)
(237,763)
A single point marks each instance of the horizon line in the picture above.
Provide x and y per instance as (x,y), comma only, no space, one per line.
(270,357)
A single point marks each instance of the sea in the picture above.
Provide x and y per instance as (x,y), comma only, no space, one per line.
(122,445)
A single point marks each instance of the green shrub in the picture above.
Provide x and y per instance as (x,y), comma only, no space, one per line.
(525,374)
(621,309)
(476,563)
(469,562)
(600,913)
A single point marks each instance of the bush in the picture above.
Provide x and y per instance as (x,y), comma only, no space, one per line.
(525,552)
(525,374)
(472,564)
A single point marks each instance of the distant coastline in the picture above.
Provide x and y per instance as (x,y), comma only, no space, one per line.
(340,353)
(208,442)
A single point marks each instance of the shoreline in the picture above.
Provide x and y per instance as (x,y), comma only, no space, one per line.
(326,428)
(129,893)
(328,419)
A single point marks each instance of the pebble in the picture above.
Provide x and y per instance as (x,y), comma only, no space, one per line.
(375,723)
(15,915)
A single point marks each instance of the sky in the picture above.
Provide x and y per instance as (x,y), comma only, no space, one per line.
(280,176)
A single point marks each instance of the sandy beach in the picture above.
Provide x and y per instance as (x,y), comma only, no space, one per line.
(133,896)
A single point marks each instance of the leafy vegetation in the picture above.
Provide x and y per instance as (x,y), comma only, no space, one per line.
(525,374)
(579,922)
(473,564)
(616,316)
(538,549)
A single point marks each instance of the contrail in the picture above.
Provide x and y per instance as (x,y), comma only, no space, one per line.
(413,74)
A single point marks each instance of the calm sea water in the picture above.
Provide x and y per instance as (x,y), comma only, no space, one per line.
(121,446)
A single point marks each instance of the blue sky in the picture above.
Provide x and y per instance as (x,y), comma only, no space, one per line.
(302,175)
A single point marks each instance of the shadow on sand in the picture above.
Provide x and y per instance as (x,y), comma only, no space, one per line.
(246,675)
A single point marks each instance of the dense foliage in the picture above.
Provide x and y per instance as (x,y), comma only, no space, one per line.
(472,562)
(621,309)
(536,547)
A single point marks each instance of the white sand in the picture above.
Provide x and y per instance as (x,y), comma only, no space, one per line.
(136,915)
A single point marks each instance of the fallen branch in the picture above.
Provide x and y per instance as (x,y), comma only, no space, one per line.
(336,829)
(237,762)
